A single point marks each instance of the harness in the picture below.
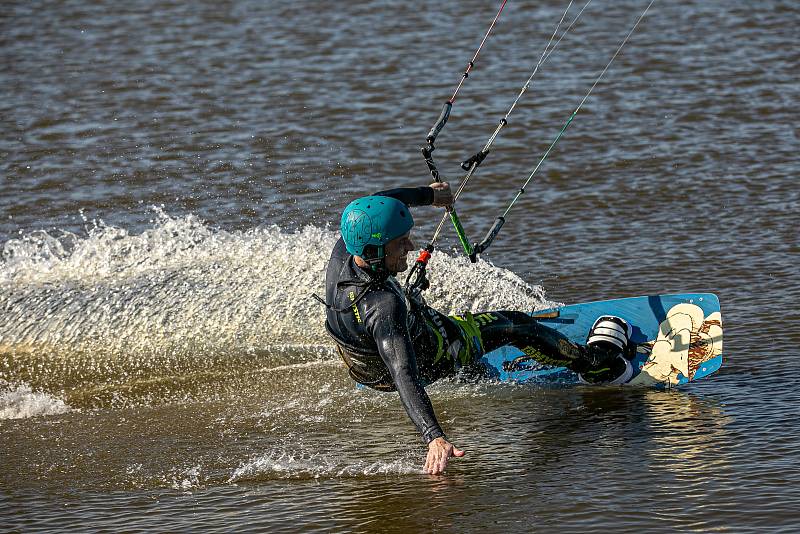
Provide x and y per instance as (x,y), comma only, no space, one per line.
(364,366)
(454,341)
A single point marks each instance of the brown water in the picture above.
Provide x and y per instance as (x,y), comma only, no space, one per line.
(171,178)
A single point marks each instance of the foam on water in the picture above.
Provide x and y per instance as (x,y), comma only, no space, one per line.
(182,288)
(304,464)
(180,285)
(20,402)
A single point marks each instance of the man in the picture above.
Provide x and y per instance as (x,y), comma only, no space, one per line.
(391,341)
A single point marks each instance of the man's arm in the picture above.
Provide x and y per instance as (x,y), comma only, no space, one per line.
(410,196)
(436,194)
(386,322)
(394,345)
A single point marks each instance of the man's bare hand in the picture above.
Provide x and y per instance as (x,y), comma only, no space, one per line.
(439,452)
(442,196)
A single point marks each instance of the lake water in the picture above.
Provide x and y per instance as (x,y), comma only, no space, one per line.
(172,175)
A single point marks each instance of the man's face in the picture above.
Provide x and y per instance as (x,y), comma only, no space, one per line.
(396,253)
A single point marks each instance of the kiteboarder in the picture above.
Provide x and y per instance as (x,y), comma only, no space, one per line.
(391,340)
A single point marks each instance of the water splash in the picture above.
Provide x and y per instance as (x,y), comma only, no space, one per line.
(183,284)
(303,464)
(183,302)
(20,402)
(178,286)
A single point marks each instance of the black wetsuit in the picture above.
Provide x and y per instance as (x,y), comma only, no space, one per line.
(392,342)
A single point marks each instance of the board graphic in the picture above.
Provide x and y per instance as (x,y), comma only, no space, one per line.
(678,339)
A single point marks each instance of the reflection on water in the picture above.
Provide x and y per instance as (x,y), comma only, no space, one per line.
(531,452)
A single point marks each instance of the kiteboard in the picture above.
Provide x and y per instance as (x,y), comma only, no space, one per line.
(678,339)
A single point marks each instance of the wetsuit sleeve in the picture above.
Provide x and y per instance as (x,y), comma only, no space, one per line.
(389,330)
(410,196)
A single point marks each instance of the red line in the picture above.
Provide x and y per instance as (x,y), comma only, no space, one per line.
(478,51)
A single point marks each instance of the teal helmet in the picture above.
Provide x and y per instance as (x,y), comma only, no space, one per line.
(369,222)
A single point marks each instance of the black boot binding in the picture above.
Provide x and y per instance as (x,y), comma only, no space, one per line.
(608,343)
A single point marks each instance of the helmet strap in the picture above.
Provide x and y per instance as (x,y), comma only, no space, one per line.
(374,256)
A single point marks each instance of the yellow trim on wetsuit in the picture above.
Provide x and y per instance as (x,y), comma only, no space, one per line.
(473,346)
(439,341)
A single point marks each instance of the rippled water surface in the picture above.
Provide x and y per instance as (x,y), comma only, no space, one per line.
(172,174)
